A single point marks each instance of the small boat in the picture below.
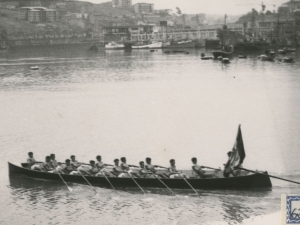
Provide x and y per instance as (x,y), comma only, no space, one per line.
(34,68)
(268,56)
(281,51)
(203,57)
(222,179)
(290,50)
(242,56)
(206,57)
(247,181)
(288,59)
(167,51)
(220,58)
(149,45)
(225,60)
(152,50)
(114,45)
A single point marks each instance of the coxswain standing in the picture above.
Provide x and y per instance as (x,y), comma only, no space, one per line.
(173,172)
(118,171)
(102,167)
(198,170)
(124,166)
(152,169)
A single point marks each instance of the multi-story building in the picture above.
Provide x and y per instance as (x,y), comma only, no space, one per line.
(50,15)
(122,3)
(34,16)
(37,14)
(143,8)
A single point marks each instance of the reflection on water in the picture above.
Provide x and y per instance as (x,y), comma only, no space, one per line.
(140,104)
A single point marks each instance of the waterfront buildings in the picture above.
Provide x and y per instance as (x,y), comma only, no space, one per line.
(143,8)
(122,3)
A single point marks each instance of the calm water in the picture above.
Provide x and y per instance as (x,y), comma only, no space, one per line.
(138,104)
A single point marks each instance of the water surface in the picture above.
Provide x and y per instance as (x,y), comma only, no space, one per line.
(140,104)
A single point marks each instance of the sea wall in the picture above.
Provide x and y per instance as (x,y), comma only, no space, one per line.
(51,41)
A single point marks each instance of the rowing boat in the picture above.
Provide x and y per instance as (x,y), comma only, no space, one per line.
(246,181)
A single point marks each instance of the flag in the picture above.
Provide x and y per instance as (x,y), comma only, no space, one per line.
(238,151)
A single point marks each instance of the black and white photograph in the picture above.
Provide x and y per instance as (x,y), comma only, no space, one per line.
(153,112)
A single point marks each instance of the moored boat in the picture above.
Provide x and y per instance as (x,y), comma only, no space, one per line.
(150,45)
(180,44)
(114,45)
(241,182)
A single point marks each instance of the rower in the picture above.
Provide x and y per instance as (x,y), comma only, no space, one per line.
(102,168)
(173,172)
(151,168)
(93,169)
(46,166)
(125,167)
(30,160)
(144,173)
(118,171)
(198,170)
(68,168)
(53,161)
(74,162)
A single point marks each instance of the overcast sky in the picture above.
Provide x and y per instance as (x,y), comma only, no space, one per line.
(209,6)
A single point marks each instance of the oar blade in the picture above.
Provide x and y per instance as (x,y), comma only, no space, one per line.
(70,189)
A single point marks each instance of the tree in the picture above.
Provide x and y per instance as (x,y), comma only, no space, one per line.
(178,11)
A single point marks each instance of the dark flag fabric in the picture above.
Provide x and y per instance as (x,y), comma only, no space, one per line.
(238,152)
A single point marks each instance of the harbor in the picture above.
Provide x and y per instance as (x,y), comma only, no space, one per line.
(128,113)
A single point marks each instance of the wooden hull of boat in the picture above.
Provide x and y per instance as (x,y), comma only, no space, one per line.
(242,182)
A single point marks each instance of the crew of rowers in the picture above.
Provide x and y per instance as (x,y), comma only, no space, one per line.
(98,168)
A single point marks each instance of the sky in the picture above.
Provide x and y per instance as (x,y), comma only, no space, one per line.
(231,7)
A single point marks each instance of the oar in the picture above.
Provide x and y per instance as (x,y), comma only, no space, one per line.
(189,185)
(108,181)
(163,183)
(279,178)
(88,183)
(210,168)
(70,189)
(136,183)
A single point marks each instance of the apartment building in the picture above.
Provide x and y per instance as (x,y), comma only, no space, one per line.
(122,3)
(37,14)
(143,8)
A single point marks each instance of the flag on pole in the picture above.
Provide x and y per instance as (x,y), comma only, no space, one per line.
(238,151)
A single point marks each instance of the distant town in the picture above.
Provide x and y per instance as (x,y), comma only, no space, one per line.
(42,22)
